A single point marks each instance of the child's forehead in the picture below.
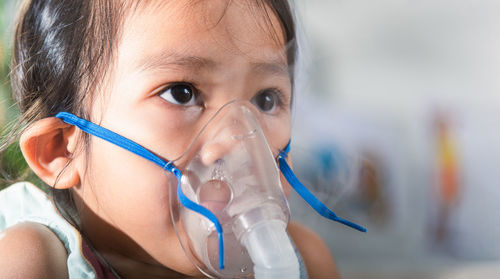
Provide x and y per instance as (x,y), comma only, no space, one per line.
(221,26)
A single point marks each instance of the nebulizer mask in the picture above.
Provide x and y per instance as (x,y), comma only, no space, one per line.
(227,202)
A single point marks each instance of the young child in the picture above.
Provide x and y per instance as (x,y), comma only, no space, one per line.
(155,73)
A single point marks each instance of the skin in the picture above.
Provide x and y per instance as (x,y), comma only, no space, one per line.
(30,250)
(123,200)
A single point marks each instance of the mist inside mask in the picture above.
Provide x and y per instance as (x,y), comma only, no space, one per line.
(231,171)
(226,200)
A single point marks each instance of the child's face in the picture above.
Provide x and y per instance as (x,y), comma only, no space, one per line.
(175,66)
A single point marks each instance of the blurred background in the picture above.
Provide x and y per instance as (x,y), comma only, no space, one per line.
(394,128)
(12,164)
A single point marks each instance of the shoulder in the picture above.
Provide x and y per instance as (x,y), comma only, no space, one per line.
(31,250)
(316,255)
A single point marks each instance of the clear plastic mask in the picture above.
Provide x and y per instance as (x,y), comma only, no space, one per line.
(226,199)
(232,173)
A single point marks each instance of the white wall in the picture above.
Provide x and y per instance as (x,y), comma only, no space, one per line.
(378,73)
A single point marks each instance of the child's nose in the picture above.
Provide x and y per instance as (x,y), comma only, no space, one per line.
(225,138)
(234,127)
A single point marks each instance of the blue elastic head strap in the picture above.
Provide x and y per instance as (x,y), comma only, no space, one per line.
(307,195)
(137,149)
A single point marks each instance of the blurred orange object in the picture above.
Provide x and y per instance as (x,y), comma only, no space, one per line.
(447,164)
(448,186)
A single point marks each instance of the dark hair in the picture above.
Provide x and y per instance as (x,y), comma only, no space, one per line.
(63,49)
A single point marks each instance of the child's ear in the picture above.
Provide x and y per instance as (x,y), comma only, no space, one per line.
(48,146)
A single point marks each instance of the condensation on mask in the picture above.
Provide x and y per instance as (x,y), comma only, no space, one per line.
(232,172)
(227,202)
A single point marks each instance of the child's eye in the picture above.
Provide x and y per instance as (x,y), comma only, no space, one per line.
(267,100)
(180,94)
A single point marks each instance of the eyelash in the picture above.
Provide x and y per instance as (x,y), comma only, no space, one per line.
(281,97)
(197,93)
(279,93)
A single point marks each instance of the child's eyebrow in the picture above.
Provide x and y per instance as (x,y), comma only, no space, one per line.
(271,68)
(166,61)
(172,60)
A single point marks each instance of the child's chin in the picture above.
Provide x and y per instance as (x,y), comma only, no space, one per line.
(193,272)
(188,269)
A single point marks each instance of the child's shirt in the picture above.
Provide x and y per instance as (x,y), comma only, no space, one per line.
(24,202)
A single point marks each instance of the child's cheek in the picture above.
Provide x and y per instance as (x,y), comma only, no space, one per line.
(132,191)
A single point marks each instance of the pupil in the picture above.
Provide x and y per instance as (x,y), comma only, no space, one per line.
(182,93)
(265,101)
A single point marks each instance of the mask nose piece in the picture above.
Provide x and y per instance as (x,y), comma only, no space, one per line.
(227,136)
